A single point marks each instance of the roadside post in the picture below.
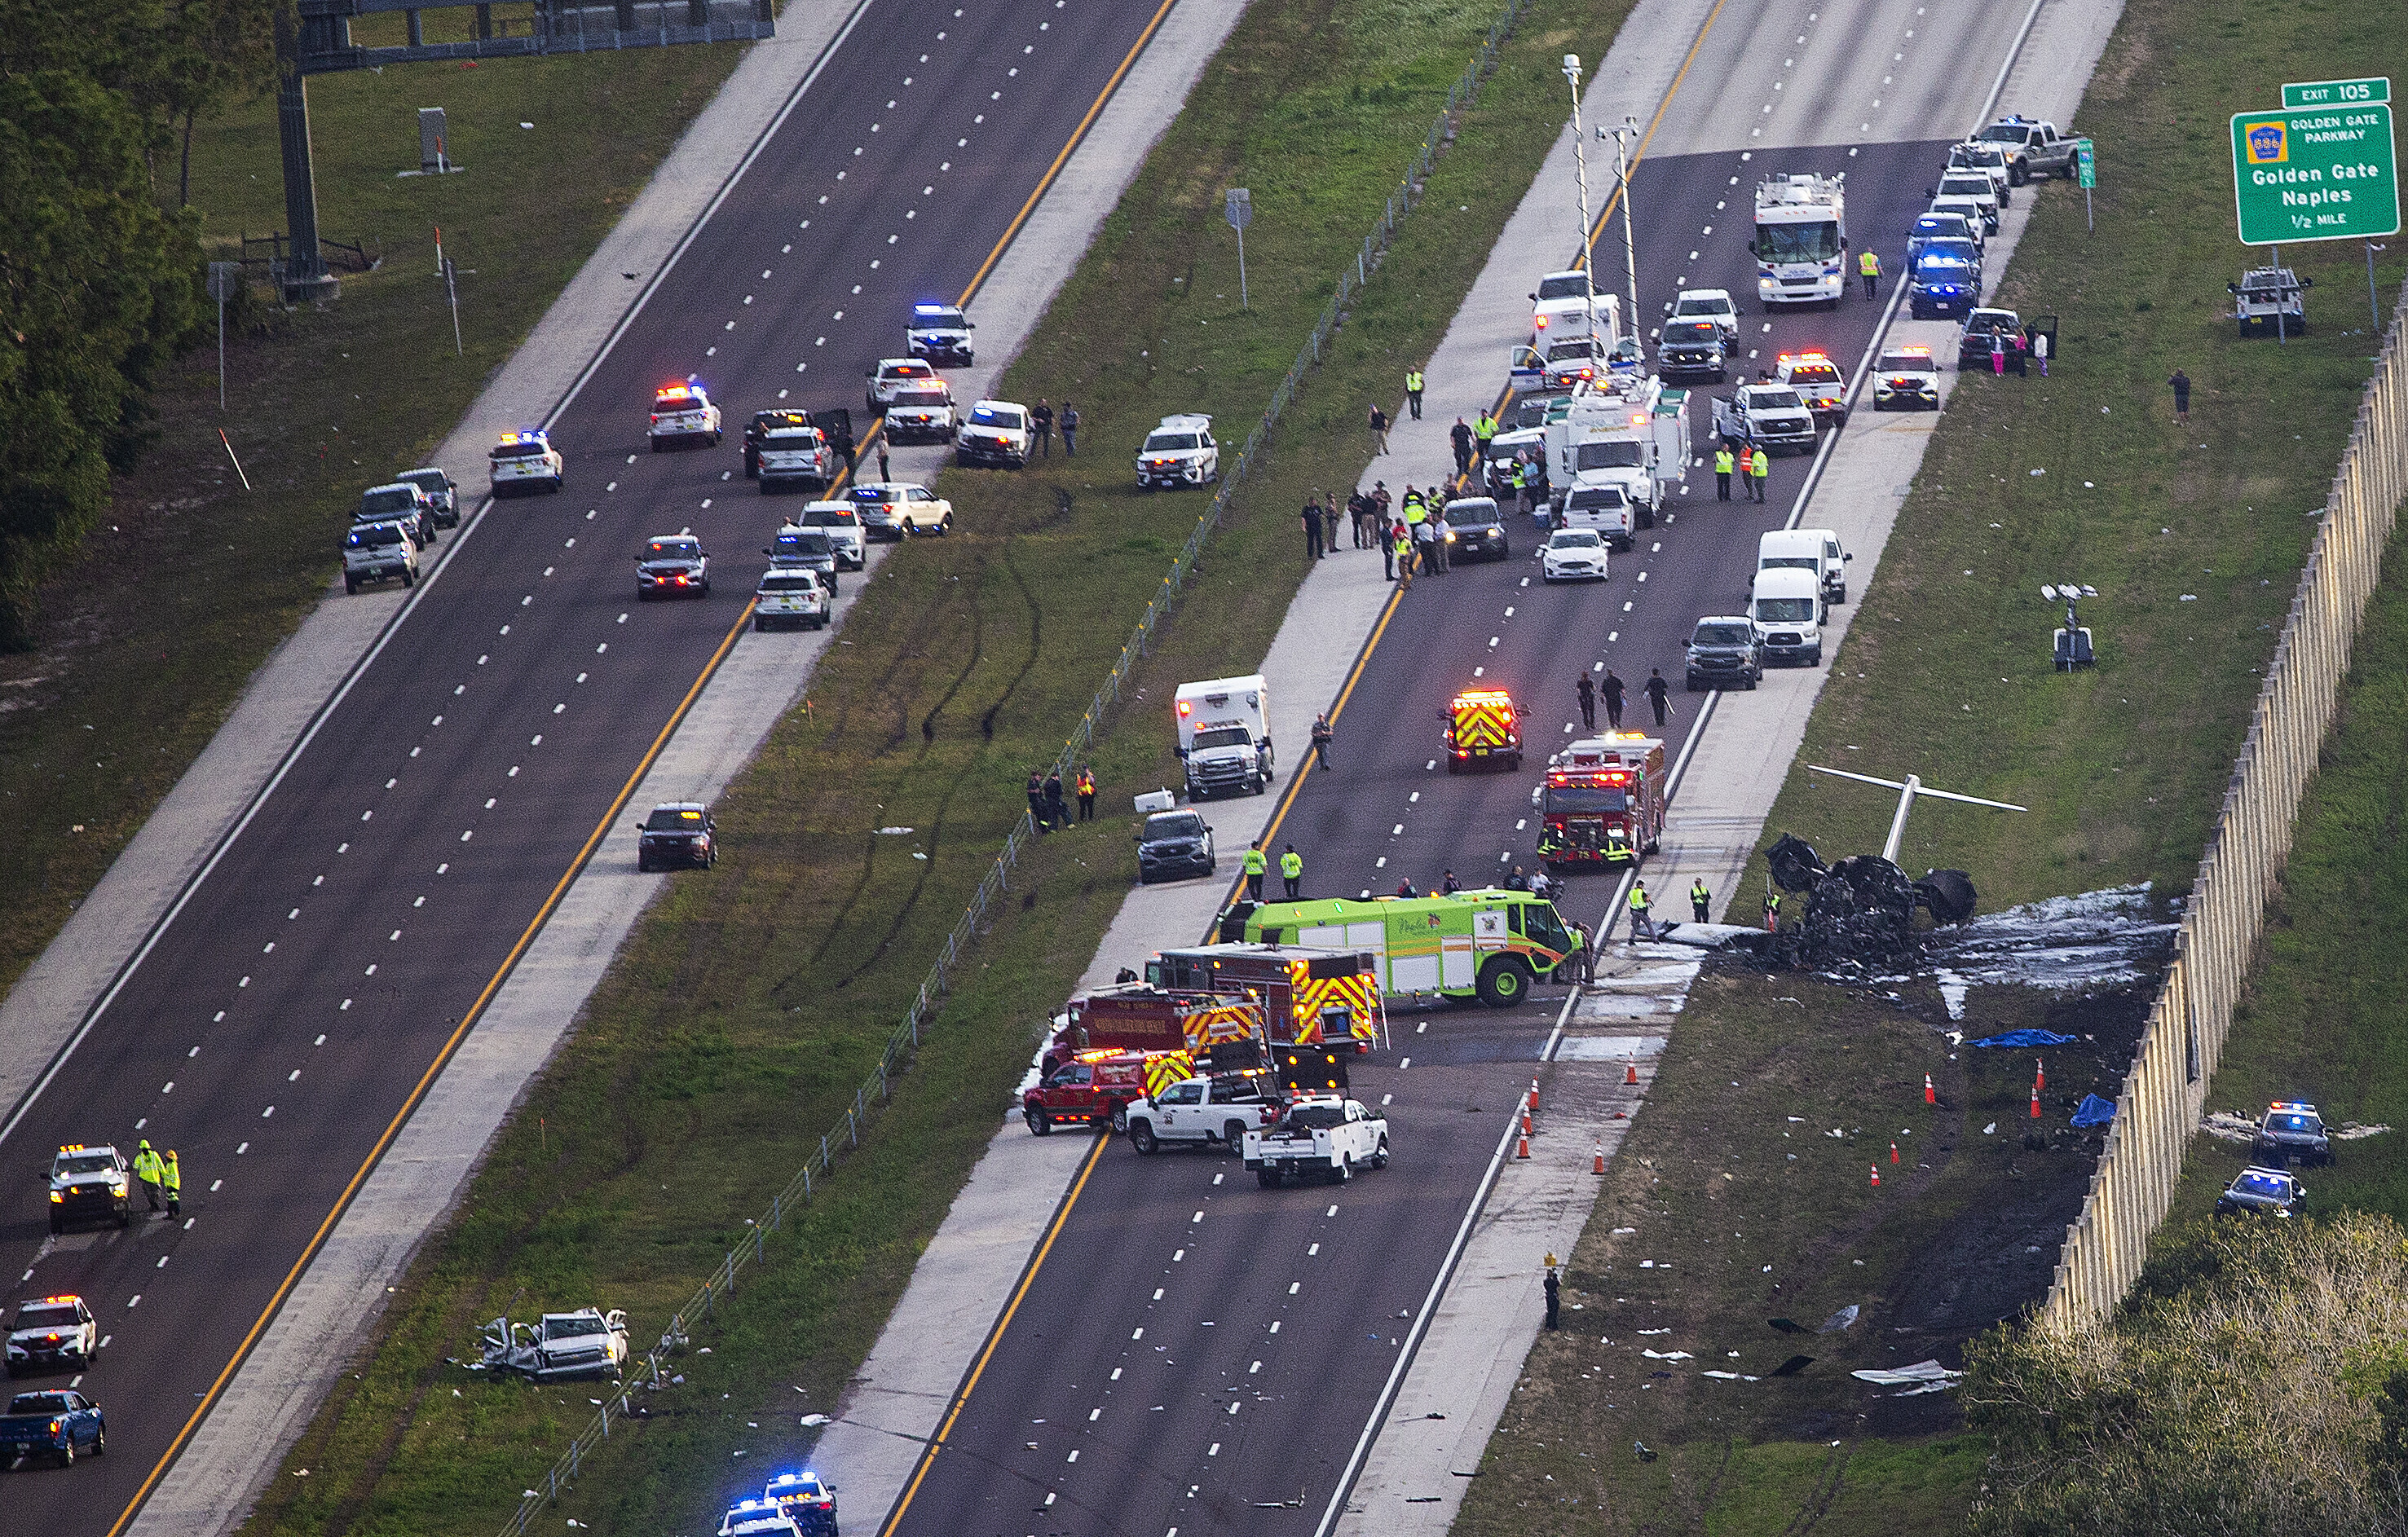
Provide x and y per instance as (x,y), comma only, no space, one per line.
(2373,315)
(1238,210)
(452,292)
(226,276)
(2322,167)
(2085,167)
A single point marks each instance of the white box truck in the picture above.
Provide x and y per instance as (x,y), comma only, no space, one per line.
(1224,736)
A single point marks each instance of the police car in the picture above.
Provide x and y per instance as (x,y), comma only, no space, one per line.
(672,566)
(790,595)
(87,1182)
(792,453)
(682,413)
(896,374)
(525,460)
(1975,185)
(807,1499)
(897,508)
(52,1335)
(1945,278)
(2291,1129)
(1988,159)
(941,334)
(994,433)
(1179,452)
(805,549)
(1940,224)
(842,525)
(921,413)
(757,1518)
(676,833)
(2267,1192)
(380,551)
(1818,382)
(1906,379)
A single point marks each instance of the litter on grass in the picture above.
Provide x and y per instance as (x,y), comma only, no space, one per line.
(1922,1378)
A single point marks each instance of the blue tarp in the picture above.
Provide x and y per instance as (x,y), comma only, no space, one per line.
(2093,1111)
(2017,1040)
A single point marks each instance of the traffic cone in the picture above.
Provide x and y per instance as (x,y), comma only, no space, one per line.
(2039,1075)
(2035,1115)
(1534,1093)
(1930,1095)
(1526,1123)
(1523,1150)
(1876,1176)
(1598,1167)
(1893,1152)
(1630,1070)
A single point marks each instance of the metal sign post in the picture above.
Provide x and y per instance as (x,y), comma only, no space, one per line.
(225,279)
(2085,168)
(452,292)
(1239,209)
(2373,315)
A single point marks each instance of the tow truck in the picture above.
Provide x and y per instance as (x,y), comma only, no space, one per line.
(1481,728)
(90,1181)
(1602,803)
(1493,943)
(680,414)
(1309,997)
(525,458)
(1818,382)
(1325,1134)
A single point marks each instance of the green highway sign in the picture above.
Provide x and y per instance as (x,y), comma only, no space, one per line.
(2321,173)
(2086,163)
(2338,93)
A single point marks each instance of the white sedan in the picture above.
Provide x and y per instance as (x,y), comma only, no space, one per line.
(1573,555)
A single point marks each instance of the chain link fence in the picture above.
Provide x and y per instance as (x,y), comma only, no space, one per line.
(2166,1091)
(647,1373)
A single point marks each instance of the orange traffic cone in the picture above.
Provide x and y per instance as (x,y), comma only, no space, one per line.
(1893,1152)
(1534,1093)
(2039,1075)
(1876,1176)
(1930,1095)
(1523,1150)
(2035,1115)
(1599,1166)
(1526,1123)
(1630,1070)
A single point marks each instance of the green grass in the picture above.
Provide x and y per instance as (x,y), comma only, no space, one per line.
(1945,672)
(147,641)
(701,1074)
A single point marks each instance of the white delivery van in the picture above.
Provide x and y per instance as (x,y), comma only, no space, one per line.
(1224,735)
(1815,549)
(1787,609)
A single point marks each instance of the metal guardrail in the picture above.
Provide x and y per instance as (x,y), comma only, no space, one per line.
(845,1135)
(2165,1092)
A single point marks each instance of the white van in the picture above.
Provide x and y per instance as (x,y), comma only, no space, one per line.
(1815,549)
(1786,609)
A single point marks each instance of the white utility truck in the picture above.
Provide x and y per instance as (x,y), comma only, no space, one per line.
(1224,735)
(1324,1134)
(1802,238)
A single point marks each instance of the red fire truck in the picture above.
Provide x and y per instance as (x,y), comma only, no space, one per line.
(1309,997)
(1602,803)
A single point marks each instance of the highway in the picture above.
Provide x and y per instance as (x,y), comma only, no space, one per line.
(1195,1355)
(319,970)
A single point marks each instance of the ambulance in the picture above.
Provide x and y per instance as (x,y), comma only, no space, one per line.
(1492,945)
(1481,728)
(1602,803)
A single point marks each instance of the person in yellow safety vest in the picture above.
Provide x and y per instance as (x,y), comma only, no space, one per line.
(1482,430)
(1699,897)
(1641,917)
(1869,267)
(1292,872)
(1772,908)
(1520,485)
(1254,865)
(1414,392)
(1416,507)
(149,1171)
(1086,795)
(1760,470)
(1725,462)
(1617,846)
(1403,541)
(171,1176)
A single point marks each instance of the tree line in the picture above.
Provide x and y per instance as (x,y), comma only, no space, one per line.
(101,277)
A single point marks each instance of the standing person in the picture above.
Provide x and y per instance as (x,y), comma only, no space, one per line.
(2180,382)
(883,471)
(1292,872)
(1587,691)
(844,446)
(1612,688)
(2039,351)
(1659,693)
(1555,1301)
(1041,419)
(1426,546)
(1414,392)
(1401,538)
(1521,484)
(1056,809)
(1588,942)
(1070,422)
(1448,885)
(1642,917)
(1329,526)
(1723,462)
(1324,735)
(1771,909)
(1482,430)
(1037,798)
(148,1170)
(1358,514)
(1387,553)
(1254,865)
(1379,427)
(1759,471)
(1699,897)
(1998,356)
(1380,503)
(1517,881)
(2018,351)
(1461,437)
(171,1177)
(1086,794)
(1313,530)
(1868,268)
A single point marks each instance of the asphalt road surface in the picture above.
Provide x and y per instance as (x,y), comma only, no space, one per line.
(1196,1354)
(293,1003)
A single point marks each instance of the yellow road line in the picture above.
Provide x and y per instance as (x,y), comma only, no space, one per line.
(426,1080)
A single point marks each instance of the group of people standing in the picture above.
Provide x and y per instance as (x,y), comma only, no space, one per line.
(1046,801)
(1588,691)
(1409,533)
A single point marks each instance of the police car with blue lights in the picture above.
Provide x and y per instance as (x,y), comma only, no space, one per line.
(1945,278)
(807,1499)
(2291,1129)
(2264,1192)
(682,413)
(1907,379)
(526,461)
(941,334)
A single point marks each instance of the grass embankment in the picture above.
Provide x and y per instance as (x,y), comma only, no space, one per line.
(739,1018)
(149,639)
(1947,673)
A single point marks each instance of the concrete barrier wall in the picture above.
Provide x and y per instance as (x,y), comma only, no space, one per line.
(2166,1090)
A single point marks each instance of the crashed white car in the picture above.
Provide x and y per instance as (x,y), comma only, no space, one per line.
(587,1343)
(1573,555)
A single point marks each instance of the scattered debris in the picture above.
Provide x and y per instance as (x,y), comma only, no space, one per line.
(2094,1111)
(2022,1040)
(1842,1319)
(1922,1378)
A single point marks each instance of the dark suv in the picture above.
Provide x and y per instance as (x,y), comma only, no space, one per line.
(2291,1130)
(1725,653)
(1474,530)
(1691,349)
(1173,843)
(678,832)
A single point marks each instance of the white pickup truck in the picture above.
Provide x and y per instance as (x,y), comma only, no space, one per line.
(1325,1134)
(1223,1108)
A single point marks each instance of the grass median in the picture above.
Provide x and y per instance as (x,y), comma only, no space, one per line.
(2193,537)
(749,1003)
(149,638)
